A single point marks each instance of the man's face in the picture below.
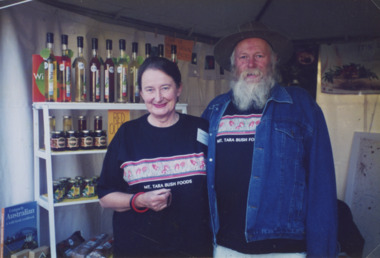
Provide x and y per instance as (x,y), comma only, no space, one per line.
(253,55)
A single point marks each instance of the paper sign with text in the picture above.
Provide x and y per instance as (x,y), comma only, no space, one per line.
(115,119)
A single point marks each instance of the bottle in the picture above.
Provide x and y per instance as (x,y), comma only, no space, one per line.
(173,57)
(80,73)
(133,72)
(52,123)
(148,48)
(64,73)
(109,75)
(82,123)
(51,70)
(98,123)
(160,50)
(121,75)
(94,73)
(67,123)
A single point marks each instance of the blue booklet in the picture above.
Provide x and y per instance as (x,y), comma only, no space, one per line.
(18,228)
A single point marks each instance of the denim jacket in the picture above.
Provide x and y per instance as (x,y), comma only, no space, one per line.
(292,190)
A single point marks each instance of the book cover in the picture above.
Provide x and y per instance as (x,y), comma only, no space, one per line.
(18,228)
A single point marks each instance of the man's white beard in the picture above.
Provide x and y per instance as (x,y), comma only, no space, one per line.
(247,95)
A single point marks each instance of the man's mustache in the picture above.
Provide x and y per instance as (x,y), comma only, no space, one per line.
(251,72)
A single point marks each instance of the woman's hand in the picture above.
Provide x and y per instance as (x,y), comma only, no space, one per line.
(156,200)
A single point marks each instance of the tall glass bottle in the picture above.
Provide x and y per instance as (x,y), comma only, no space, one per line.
(80,73)
(173,56)
(121,75)
(148,49)
(133,71)
(109,75)
(64,73)
(94,73)
(160,50)
(51,70)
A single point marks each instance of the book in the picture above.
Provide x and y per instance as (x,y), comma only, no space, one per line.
(18,228)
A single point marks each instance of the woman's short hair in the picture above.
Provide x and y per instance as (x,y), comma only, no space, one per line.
(162,64)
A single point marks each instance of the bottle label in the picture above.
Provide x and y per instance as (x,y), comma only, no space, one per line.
(97,85)
(93,68)
(124,81)
(81,65)
(68,82)
(134,73)
(106,84)
(72,142)
(51,78)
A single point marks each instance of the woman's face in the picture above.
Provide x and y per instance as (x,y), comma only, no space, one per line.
(159,93)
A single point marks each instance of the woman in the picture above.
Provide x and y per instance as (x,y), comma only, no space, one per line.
(154,175)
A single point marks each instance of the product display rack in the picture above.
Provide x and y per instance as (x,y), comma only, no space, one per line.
(46,200)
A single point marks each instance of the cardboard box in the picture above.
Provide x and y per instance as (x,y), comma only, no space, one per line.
(22,254)
(38,82)
(40,252)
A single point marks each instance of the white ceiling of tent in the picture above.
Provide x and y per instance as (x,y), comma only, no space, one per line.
(208,20)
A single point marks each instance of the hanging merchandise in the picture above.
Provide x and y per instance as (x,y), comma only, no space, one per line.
(194,70)
(95,63)
(122,73)
(80,73)
(209,71)
(160,50)
(148,49)
(109,75)
(173,56)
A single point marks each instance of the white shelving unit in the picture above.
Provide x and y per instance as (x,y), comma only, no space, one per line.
(47,202)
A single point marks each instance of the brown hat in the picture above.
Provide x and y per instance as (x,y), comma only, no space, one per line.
(280,44)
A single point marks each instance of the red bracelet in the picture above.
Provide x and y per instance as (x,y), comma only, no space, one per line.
(133,206)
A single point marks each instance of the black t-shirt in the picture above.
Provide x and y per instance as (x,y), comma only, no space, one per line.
(142,158)
(234,151)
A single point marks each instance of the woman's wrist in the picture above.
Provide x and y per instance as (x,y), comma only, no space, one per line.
(133,206)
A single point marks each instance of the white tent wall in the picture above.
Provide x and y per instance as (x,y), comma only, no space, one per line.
(23,33)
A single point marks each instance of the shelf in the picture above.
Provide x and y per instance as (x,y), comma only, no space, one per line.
(97,106)
(43,201)
(42,152)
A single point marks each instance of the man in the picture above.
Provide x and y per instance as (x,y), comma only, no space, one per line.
(271,178)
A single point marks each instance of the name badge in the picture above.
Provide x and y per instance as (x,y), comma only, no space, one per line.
(202,137)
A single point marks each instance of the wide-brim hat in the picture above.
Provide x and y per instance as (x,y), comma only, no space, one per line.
(280,44)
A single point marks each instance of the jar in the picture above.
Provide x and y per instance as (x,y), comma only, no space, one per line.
(57,191)
(74,189)
(100,139)
(72,140)
(86,140)
(82,123)
(94,180)
(57,141)
(65,184)
(88,190)
(67,123)
(80,180)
